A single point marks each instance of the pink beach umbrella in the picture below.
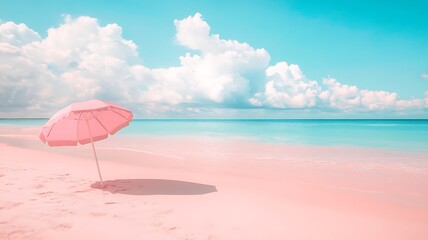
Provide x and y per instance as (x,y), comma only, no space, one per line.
(85,122)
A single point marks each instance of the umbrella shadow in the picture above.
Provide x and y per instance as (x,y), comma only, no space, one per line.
(154,187)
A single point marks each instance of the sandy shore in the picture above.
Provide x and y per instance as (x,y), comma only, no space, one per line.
(208,188)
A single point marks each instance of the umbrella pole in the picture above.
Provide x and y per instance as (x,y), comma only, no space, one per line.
(95,154)
(98,166)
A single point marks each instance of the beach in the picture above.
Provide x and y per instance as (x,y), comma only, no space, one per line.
(205,187)
(213,120)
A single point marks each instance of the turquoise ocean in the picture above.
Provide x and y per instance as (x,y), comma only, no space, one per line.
(408,135)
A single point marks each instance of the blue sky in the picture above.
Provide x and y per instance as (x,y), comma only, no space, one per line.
(380,45)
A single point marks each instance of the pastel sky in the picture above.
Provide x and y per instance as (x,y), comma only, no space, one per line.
(217,59)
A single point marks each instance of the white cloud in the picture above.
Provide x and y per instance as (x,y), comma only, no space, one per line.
(17,34)
(286,87)
(81,41)
(225,71)
(89,59)
(339,95)
(346,97)
(424,75)
(23,82)
(77,60)
(80,59)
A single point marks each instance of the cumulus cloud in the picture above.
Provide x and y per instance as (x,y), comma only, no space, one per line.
(342,96)
(76,61)
(222,73)
(17,34)
(80,59)
(286,87)
(23,81)
(424,75)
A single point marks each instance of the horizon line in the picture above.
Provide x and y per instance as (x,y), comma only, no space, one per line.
(235,119)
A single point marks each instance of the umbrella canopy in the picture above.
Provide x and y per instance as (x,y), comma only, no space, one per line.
(85,122)
(69,125)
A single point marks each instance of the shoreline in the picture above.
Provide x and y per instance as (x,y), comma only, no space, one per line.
(403,135)
(33,131)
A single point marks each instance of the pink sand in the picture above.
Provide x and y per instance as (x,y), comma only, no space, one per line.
(208,188)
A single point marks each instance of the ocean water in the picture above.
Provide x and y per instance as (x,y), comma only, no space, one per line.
(409,135)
